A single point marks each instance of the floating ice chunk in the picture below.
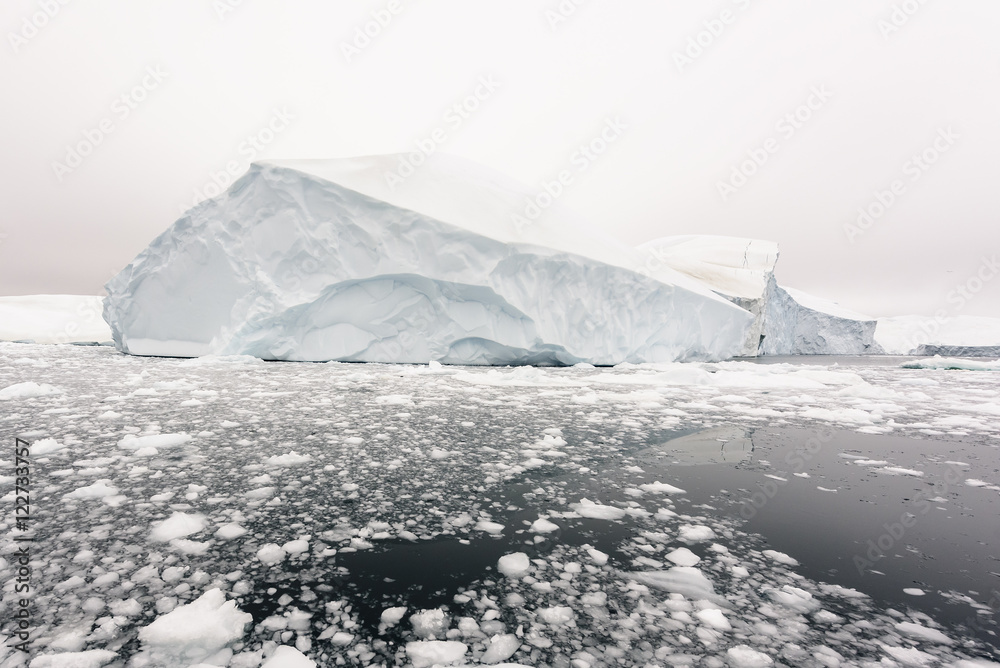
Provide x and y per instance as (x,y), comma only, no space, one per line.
(290,459)
(296,546)
(953,363)
(793,598)
(288,657)
(271,554)
(695,533)
(229,531)
(158,441)
(397,399)
(913,591)
(190,546)
(910,656)
(971,482)
(492,528)
(598,557)
(684,580)
(896,470)
(427,653)
(46,447)
(923,633)
(177,525)
(683,557)
(744,656)
(542,525)
(661,488)
(193,632)
(596,511)
(94,658)
(713,617)
(430,623)
(342,638)
(501,648)
(99,490)
(515,565)
(28,390)
(780,557)
(557,615)
(392,616)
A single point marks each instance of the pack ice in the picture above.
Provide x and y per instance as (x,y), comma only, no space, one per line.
(329,260)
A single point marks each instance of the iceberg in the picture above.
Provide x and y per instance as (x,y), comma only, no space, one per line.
(330,260)
(948,336)
(737,269)
(53,319)
(785,321)
(797,323)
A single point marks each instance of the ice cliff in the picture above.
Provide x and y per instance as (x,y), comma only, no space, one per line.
(329,260)
(785,321)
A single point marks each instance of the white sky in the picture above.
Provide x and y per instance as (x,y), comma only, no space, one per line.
(687,127)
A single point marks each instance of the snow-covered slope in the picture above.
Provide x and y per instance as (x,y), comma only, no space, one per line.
(962,335)
(733,267)
(324,261)
(797,323)
(53,319)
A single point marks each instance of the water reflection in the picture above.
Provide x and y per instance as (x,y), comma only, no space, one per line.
(729,444)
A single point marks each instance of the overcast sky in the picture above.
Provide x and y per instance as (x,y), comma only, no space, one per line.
(773,119)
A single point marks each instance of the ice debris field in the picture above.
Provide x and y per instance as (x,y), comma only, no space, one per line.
(225,511)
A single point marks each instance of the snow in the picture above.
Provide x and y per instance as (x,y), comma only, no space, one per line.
(53,319)
(195,631)
(319,261)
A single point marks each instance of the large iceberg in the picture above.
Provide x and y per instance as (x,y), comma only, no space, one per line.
(735,268)
(950,336)
(331,260)
(53,319)
(785,321)
(797,323)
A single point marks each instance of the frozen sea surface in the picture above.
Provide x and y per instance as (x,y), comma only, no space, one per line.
(661,515)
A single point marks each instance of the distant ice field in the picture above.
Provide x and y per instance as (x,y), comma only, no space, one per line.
(229,511)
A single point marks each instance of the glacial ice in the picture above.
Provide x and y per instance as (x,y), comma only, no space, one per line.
(797,323)
(786,321)
(321,260)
